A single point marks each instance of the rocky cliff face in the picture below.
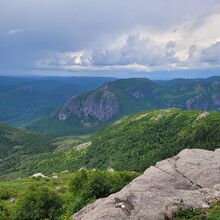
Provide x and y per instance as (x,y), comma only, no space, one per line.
(102,105)
(189,180)
(200,102)
(134,95)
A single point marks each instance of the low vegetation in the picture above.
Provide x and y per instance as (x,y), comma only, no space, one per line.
(197,214)
(57,198)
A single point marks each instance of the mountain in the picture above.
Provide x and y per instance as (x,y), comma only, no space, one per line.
(135,142)
(140,140)
(132,143)
(174,188)
(88,112)
(201,94)
(23,100)
(115,98)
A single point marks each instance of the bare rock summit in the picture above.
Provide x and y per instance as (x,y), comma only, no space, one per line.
(189,180)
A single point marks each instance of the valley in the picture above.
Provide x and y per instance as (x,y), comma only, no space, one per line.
(88,112)
(108,145)
(26,100)
(109,110)
(132,144)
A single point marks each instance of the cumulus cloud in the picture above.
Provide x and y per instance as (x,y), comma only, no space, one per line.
(137,50)
(93,35)
(211,55)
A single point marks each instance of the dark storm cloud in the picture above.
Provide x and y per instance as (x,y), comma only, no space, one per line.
(48,31)
(211,55)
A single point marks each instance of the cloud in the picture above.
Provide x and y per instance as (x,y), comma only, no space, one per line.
(93,35)
(137,50)
(211,55)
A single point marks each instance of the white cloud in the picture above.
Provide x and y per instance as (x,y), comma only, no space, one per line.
(18,31)
(101,35)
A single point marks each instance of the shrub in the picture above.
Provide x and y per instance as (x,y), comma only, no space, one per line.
(39,203)
(5,194)
(4,212)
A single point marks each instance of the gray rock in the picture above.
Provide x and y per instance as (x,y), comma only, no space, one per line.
(216,100)
(12,200)
(54,177)
(110,169)
(36,175)
(188,180)
(102,105)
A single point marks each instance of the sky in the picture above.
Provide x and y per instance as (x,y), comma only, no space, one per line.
(156,38)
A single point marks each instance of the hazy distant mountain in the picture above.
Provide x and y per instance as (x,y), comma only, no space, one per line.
(89,111)
(25,99)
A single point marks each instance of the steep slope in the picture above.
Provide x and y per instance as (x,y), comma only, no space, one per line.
(201,94)
(138,141)
(17,145)
(115,98)
(138,94)
(186,181)
(102,105)
(25,99)
(89,112)
(132,143)
(86,113)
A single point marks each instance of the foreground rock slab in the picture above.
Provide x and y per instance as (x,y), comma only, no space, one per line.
(189,180)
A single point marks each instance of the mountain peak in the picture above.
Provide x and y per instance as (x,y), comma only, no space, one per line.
(101,105)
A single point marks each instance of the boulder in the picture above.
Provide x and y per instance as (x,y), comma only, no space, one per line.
(54,177)
(39,175)
(110,169)
(189,180)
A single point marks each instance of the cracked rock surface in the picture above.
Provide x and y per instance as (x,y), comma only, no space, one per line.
(189,180)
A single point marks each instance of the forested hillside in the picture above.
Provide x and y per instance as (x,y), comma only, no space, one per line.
(136,142)
(23,100)
(140,140)
(17,146)
(88,112)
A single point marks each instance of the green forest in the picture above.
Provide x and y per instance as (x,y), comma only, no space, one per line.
(129,146)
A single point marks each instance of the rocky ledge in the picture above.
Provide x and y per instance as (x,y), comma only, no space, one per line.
(189,180)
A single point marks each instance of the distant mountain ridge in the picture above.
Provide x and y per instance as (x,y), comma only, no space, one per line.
(23,100)
(105,103)
(88,112)
(198,94)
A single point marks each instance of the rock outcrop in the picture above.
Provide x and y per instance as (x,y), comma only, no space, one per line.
(102,105)
(189,180)
(199,102)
